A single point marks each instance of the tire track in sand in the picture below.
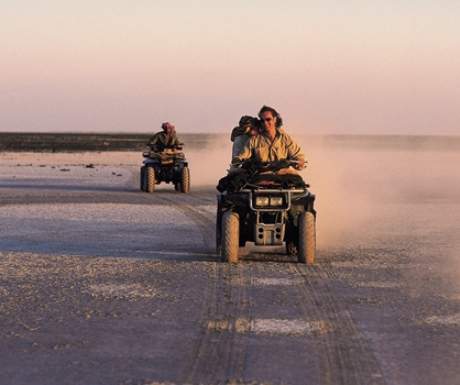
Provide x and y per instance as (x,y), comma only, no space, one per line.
(220,352)
(345,356)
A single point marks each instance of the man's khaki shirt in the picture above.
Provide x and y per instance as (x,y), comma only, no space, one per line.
(262,149)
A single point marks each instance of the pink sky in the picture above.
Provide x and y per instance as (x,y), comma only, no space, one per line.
(365,67)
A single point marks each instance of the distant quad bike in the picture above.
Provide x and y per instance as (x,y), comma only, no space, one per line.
(269,210)
(167,166)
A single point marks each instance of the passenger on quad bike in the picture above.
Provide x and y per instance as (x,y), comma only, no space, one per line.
(164,161)
(267,202)
(247,128)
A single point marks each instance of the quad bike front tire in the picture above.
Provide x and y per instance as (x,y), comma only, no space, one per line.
(230,237)
(142,178)
(307,238)
(150,179)
(185,180)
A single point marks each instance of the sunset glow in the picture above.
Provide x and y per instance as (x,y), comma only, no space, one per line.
(363,67)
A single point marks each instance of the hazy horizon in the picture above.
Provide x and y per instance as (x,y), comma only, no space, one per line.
(360,67)
(226,133)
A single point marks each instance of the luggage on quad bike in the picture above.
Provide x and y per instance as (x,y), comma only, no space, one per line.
(259,205)
(167,166)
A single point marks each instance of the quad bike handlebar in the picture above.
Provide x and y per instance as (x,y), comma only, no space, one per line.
(169,150)
(274,166)
(178,146)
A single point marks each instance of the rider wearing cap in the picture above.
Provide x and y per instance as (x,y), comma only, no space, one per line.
(165,138)
(273,143)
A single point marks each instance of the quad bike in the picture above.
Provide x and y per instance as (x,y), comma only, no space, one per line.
(167,166)
(269,210)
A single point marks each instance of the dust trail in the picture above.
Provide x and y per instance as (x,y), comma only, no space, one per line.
(210,164)
(358,188)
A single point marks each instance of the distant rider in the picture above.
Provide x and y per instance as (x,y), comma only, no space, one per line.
(164,139)
(273,144)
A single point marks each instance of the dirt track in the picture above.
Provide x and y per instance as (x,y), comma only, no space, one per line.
(102,284)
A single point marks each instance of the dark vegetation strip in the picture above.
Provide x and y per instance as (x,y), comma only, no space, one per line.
(77,142)
(73,142)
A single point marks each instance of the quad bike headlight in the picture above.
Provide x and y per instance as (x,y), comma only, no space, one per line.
(262,201)
(276,201)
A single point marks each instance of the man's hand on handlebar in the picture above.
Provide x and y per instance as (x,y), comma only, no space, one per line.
(300,164)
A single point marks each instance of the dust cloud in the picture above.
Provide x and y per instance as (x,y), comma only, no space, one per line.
(210,163)
(361,190)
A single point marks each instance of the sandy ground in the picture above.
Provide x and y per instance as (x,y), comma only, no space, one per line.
(103,284)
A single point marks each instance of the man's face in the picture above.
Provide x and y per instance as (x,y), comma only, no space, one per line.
(168,129)
(268,121)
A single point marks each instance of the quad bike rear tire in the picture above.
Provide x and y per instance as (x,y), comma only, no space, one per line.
(307,238)
(185,180)
(150,179)
(142,178)
(230,237)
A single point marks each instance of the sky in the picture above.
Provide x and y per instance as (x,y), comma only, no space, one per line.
(329,66)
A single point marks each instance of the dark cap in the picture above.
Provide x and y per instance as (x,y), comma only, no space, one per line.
(247,120)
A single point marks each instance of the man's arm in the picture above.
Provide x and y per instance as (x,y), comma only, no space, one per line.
(294,152)
(153,140)
(244,154)
(176,141)
(155,143)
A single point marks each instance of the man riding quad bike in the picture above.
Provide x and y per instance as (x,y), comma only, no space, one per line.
(167,166)
(164,161)
(261,204)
